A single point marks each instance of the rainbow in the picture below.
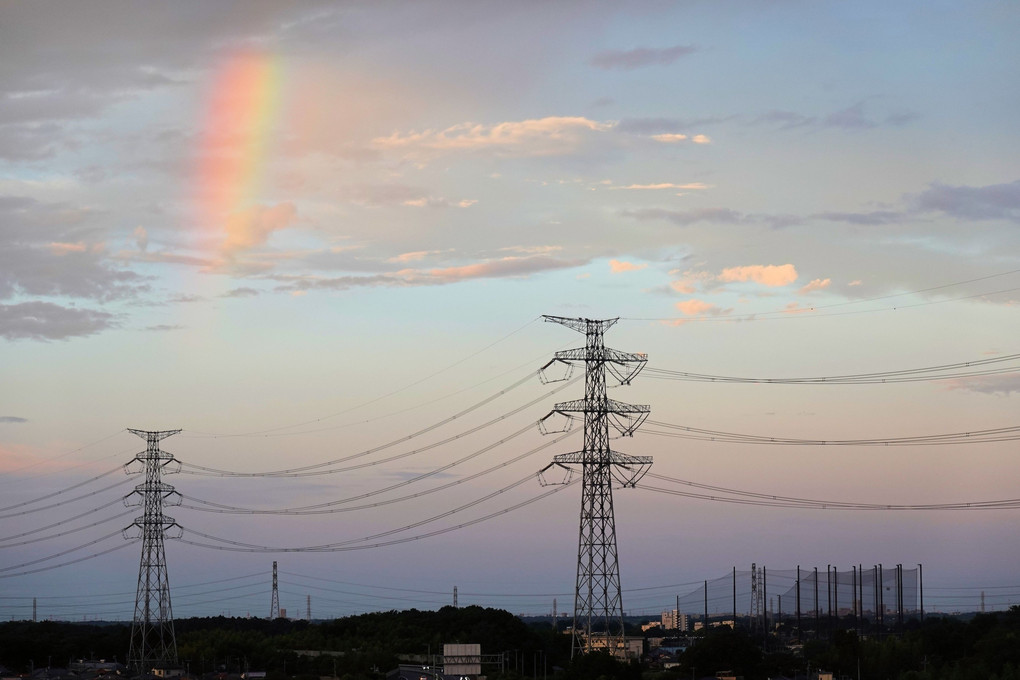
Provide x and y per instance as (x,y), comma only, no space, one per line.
(239,118)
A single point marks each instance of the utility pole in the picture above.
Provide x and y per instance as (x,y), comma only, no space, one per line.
(274,605)
(597,598)
(153,644)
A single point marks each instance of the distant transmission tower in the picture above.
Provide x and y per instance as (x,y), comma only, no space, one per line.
(153,644)
(598,605)
(274,606)
(455,606)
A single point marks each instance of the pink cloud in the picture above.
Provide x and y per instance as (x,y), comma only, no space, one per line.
(690,281)
(507,266)
(541,136)
(695,307)
(669,137)
(816,284)
(413,256)
(694,186)
(251,228)
(618,266)
(767,275)
(701,139)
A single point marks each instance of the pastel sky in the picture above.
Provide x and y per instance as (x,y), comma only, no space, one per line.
(303,230)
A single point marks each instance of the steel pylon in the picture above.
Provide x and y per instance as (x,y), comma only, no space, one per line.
(153,644)
(274,606)
(598,604)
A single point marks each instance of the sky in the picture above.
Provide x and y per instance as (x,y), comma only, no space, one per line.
(305,231)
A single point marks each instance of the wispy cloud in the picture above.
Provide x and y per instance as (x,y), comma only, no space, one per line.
(251,228)
(241,292)
(691,186)
(989,202)
(503,267)
(815,284)
(13,419)
(638,57)
(49,321)
(684,218)
(1003,385)
(620,266)
(552,135)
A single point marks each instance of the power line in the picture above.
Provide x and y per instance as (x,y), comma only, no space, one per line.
(67,501)
(316,469)
(943,372)
(771,500)
(379,398)
(60,523)
(326,508)
(64,455)
(39,499)
(1001,434)
(69,531)
(344,546)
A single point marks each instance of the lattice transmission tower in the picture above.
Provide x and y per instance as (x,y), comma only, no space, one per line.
(153,644)
(598,605)
(274,606)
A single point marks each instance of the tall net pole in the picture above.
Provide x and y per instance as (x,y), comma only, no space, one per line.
(153,644)
(598,605)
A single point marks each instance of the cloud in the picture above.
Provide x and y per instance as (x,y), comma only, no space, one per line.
(669,137)
(874,217)
(66,270)
(988,384)
(993,201)
(49,321)
(628,60)
(618,266)
(414,256)
(684,218)
(506,267)
(163,327)
(251,228)
(432,202)
(816,284)
(692,186)
(142,238)
(795,308)
(697,309)
(701,139)
(242,292)
(552,135)
(850,118)
(503,267)
(654,126)
(767,275)
(785,120)
(690,281)
(12,419)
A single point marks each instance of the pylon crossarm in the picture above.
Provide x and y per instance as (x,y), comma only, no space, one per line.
(548,426)
(543,373)
(582,325)
(566,472)
(626,424)
(606,406)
